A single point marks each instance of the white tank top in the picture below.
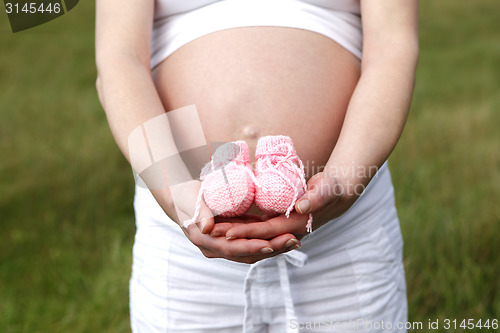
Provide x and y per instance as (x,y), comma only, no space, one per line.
(166,8)
(177,22)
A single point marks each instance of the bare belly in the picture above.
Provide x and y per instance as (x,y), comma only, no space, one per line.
(251,82)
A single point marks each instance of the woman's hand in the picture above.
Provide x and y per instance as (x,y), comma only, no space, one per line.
(294,227)
(327,197)
(240,250)
(202,231)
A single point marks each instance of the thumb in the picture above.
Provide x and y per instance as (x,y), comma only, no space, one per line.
(206,219)
(322,190)
(201,216)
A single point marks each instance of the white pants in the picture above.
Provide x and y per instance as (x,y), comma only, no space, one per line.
(347,277)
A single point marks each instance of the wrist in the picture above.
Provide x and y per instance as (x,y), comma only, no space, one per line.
(351,178)
(164,198)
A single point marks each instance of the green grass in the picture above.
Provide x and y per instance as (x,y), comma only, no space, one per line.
(66,219)
(446,168)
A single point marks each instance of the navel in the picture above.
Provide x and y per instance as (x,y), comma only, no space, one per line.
(251,132)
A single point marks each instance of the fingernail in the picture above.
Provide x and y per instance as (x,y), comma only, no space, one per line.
(266,250)
(304,206)
(215,234)
(291,242)
(296,246)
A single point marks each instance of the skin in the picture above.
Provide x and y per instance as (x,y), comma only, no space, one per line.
(340,113)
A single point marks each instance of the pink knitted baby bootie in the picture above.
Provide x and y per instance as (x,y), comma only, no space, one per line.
(228,186)
(280,176)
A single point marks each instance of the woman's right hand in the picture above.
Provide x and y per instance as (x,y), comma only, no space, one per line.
(184,197)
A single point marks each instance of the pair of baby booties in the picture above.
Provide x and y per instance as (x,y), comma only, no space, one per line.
(230,187)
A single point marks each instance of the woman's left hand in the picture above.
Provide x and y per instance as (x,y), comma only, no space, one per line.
(267,229)
(327,197)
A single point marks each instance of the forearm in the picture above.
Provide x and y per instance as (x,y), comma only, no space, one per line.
(135,113)
(129,98)
(376,114)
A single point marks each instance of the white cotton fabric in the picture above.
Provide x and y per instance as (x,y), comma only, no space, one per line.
(177,23)
(349,270)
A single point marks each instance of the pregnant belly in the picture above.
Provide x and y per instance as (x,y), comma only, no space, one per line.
(251,82)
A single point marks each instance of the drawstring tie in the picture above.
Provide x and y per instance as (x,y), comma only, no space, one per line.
(295,258)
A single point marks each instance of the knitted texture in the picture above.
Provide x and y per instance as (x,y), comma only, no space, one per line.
(228,182)
(229,187)
(280,176)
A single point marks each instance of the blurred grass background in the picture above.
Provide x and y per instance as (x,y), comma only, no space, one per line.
(66,218)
